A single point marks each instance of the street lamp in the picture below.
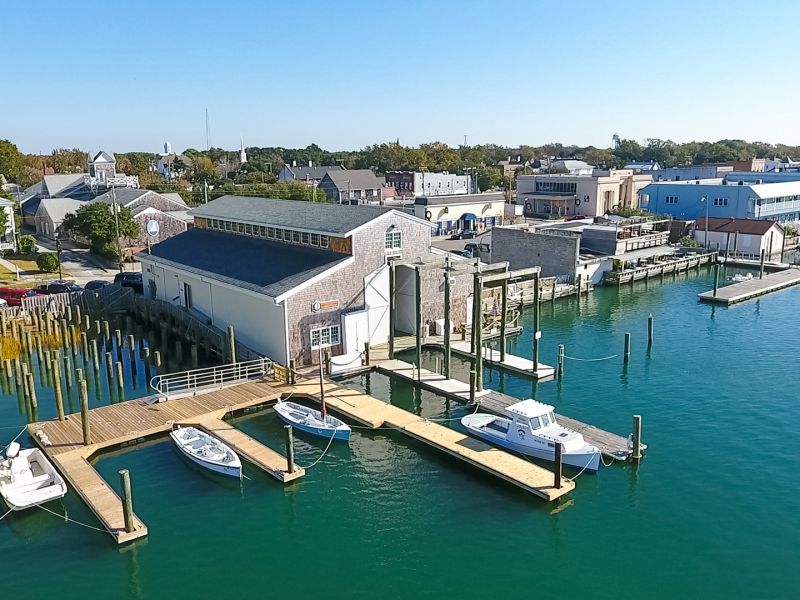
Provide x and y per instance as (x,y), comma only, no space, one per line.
(704,200)
(115,208)
(58,253)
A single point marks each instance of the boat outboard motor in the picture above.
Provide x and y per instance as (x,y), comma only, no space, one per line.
(12,450)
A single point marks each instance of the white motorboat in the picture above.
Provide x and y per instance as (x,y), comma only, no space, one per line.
(207,451)
(739,277)
(27,478)
(533,431)
(312,421)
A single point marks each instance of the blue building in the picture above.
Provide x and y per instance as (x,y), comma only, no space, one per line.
(722,198)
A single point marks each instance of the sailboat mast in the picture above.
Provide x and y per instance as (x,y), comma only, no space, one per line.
(322,388)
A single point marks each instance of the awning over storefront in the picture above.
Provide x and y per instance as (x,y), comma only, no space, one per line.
(468,217)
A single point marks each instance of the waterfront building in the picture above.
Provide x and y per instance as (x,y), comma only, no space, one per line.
(412,183)
(589,195)
(465,212)
(741,236)
(294,277)
(690,172)
(740,199)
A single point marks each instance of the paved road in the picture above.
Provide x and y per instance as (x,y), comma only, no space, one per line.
(445,244)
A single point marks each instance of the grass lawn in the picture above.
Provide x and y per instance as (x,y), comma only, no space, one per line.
(27,266)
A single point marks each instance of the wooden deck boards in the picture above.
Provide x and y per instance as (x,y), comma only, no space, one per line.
(746,290)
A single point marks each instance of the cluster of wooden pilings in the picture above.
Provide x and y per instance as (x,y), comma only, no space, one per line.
(71,352)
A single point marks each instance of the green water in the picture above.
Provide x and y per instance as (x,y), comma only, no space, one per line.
(712,512)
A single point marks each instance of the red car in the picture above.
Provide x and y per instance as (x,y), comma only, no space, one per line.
(14,296)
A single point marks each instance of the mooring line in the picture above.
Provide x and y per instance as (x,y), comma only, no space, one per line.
(66,518)
(591,359)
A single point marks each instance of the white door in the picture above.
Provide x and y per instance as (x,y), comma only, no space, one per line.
(376,298)
(355,332)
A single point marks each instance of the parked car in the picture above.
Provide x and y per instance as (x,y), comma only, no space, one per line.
(97,284)
(59,286)
(3,304)
(464,253)
(464,235)
(131,280)
(14,296)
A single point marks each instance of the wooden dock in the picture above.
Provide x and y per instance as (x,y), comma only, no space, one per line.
(374,413)
(426,379)
(127,423)
(753,288)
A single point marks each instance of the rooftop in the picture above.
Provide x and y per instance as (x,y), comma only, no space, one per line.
(58,208)
(355,179)
(262,266)
(745,226)
(460,199)
(333,219)
(530,408)
(312,172)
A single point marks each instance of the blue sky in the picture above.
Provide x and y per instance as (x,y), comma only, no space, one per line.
(128,75)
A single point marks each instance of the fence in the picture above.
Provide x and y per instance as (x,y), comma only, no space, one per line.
(188,383)
(53,303)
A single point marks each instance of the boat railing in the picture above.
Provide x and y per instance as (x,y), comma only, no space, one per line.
(188,383)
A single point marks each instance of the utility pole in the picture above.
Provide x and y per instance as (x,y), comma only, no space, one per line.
(115,207)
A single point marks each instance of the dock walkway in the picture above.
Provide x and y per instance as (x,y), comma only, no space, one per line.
(746,290)
(126,423)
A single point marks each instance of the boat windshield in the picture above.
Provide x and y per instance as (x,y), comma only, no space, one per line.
(547,419)
(535,423)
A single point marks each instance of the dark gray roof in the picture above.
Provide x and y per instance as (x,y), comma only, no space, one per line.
(263,266)
(356,179)
(311,172)
(459,199)
(323,217)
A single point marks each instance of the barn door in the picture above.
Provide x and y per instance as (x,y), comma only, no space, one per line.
(376,298)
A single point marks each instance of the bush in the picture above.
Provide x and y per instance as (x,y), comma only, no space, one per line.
(47,261)
(688,241)
(26,244)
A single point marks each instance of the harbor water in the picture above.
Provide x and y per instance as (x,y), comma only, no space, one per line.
(711,512)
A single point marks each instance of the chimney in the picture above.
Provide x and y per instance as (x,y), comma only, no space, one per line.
(294,163)
(311,163)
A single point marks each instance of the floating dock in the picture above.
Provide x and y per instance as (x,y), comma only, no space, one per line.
(752,288)
(127,423)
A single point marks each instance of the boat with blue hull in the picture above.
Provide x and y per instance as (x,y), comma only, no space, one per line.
(312,421)
(533,431)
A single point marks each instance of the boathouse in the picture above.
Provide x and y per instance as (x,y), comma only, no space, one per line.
(293,277)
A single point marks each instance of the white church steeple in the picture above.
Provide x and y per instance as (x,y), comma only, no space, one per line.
(242,153)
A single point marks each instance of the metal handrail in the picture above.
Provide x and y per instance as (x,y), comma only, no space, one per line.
(188,382)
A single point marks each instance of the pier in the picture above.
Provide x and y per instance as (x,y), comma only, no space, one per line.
(752,288)
(127,423)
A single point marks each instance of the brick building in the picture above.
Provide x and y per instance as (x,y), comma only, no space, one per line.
(293,277)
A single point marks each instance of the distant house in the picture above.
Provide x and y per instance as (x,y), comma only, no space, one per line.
(643,167)
(173,166)
(311,175)
(51,212)
(8,235)
(509,167)
(357,186)
(411,183)
(168,210)
(572,166)
(103,173)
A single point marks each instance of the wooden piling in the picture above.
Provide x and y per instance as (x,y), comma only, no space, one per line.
(447,319)
(77,314)
(95,355)
(637,437)
(127,500)
(86,324)
(85,424)
(157,359)
(109,367)
(9,370)
(366,353)
(118,339)
(650,330)
(194,356)
(477,327)
(289,448)
(558,467)
(472,386)
(392,307)
(418,325)
(132,348)
(68,312)
(31,389)
(627,350)
(56,368)
(503,318)
(716,278)
(106,331)
(231,339)
(68,369)
(537,333)
(73,339)
(85,347)
(560,360)
(39,354)
(761,268)
(120,377)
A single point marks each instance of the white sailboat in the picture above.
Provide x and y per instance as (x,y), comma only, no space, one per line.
(533,431)
(27,478)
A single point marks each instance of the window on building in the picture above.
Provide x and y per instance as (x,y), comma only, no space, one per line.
(271,232)
(556,187)
(323,241)
(671,199)
(240,227)
(393,239)
(228,226)
(248,229)
(305,238)
(262,231)
(287,235)
(315,239)
(720,202)
(324,337)
(296,237)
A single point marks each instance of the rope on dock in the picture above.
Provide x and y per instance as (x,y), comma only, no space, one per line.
(591,359)
(16,437)
(68,520)
(321,456)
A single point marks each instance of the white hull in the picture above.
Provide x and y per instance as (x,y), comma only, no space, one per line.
(207,451)
(30,479)
(585,456)
(311,421)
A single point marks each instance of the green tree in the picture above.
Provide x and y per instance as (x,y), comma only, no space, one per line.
(95,222)
(627,151)
(489,178)
(203,169)
(47,261)
(26,244)
(12,161)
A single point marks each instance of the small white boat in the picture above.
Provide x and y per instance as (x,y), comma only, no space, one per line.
(312,421)
(27,478)
(207,451)
(739,277)
(533,431)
